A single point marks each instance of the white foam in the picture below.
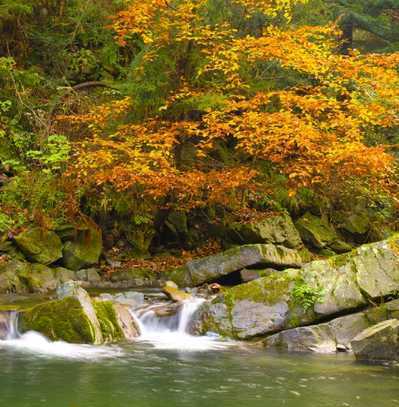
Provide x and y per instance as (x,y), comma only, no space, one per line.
(183,342)
(33,342)
(171,333)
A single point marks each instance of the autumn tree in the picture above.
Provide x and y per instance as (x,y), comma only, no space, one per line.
(236,98)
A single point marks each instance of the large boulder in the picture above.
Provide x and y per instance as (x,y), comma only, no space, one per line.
(335,335)
(378,343)
(85,249)
(74,317)
(297,297)
(211,268)
(40,245)
(64,319)
(277,229)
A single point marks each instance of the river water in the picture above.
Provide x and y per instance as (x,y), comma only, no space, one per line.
(167,367)
(141,375)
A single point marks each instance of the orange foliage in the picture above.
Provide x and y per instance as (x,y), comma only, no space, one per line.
(314,134)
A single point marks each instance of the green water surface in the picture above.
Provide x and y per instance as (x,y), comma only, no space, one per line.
(141,376)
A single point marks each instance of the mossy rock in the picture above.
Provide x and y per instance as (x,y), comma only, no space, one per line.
(278,229)
(354,223)
(320,235)
(39,278)
(59,320)
(298,297)
(40,245)
(108,321)
(85,249)
(10,276)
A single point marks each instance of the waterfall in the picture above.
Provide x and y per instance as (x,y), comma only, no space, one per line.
(34,342)
(173,331)
(8,325)
(151,323)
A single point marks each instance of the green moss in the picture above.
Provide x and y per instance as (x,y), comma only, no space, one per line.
(339,260)
(268,290)
(108,321)
(59,320)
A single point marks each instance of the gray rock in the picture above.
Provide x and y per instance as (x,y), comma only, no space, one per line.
(199,271)
(378,343)
(126,322)
(340,284)
(132,299)
(323,338)
(251,319)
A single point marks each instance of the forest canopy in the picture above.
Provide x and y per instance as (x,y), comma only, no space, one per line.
(217,108)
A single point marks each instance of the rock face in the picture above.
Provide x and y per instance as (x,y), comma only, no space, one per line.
(75,318)
(320,289)
(85,249)
(210,268)
(332,336)
(378,343)
(40,245)
(278,230)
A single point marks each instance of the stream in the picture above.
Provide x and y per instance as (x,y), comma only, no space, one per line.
(167,367)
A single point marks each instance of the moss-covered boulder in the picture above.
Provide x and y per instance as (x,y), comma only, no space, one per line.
(319,234)
(355,223)
(211,268)
(74,317)
(63,319)
(10,272)
(40,245)
(318,290)
(277,229)
(85,249)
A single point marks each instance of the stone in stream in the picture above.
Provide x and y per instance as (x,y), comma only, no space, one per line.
(132,299)
(378,343)
(40,245)
(75,318)
(211,268)
(332,336)
(173,292)
(298,297)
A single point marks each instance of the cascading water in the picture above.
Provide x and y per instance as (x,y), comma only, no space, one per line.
(33,342)
(173,331)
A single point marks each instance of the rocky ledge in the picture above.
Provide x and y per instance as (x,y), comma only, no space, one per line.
(322,306)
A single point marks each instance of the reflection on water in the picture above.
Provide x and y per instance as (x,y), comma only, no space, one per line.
(140,375)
